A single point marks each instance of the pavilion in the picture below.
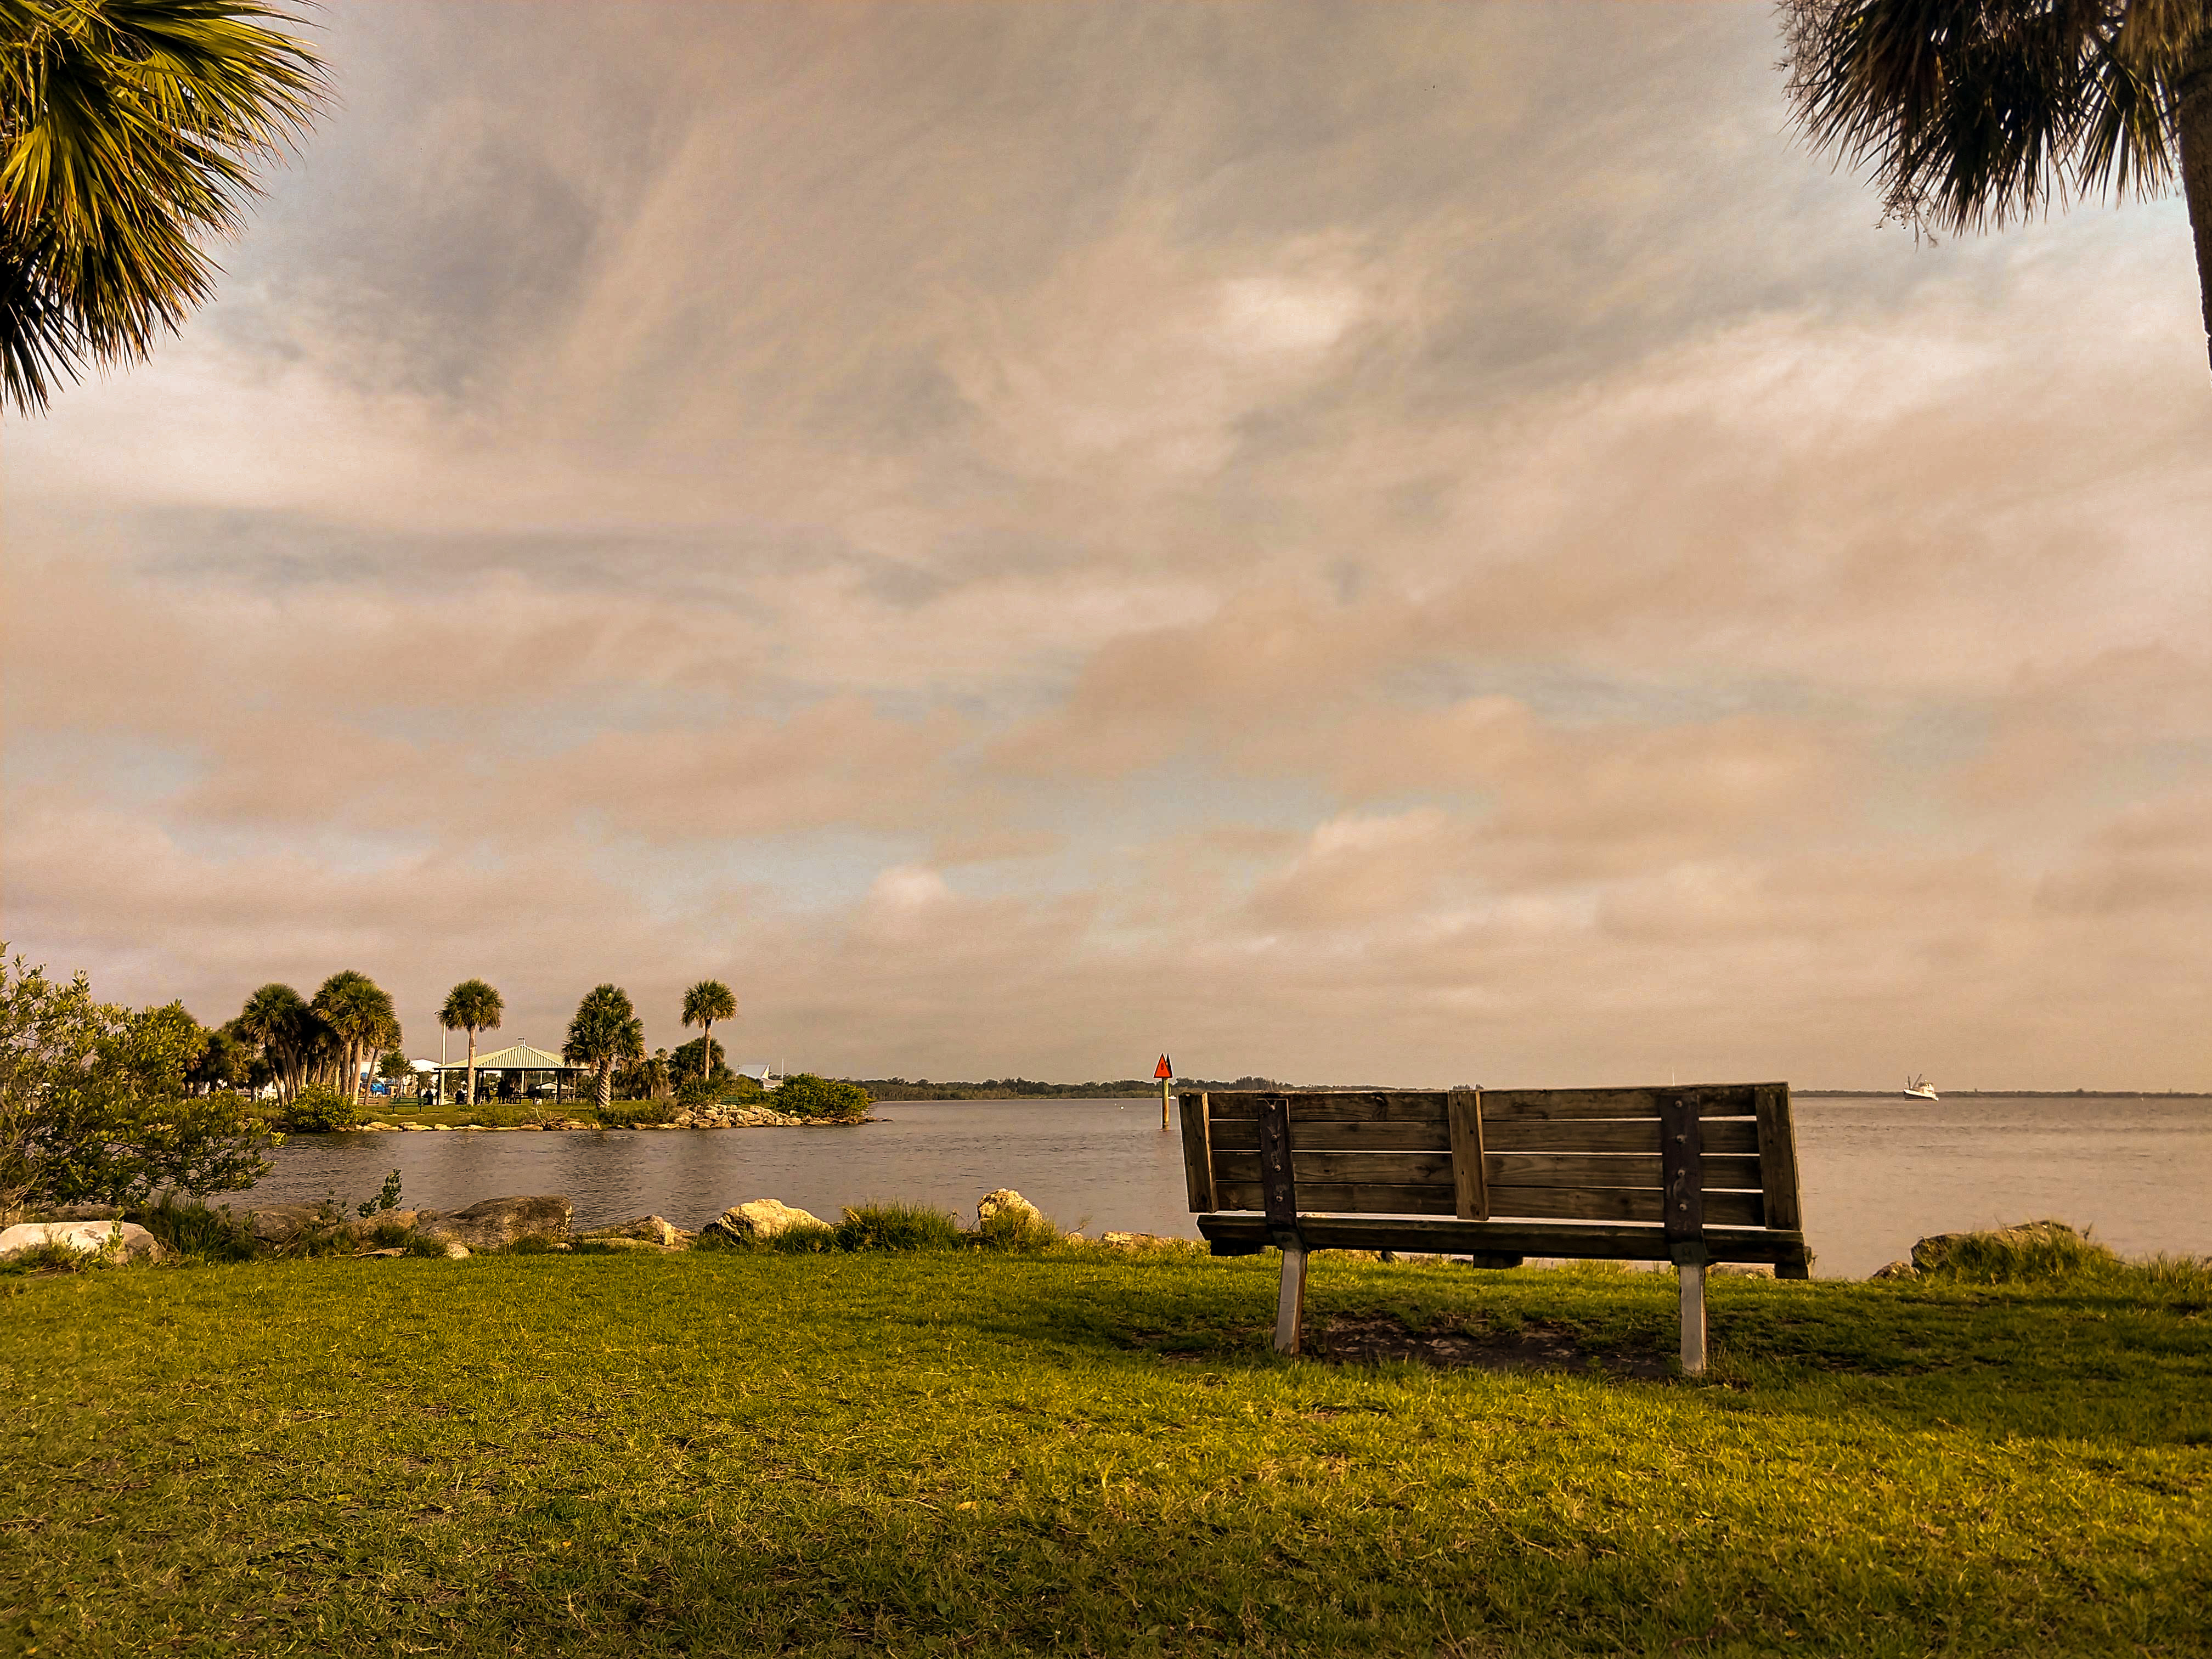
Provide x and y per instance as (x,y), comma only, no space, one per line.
(519,1072)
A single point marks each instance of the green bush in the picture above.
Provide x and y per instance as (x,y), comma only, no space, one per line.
(195,1231)
(317,1110)
(696,1091)
(808,1096)
(898,1227)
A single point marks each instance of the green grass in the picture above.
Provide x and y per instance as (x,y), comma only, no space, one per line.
(1081,1451)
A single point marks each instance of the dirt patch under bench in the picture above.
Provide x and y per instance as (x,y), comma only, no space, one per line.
(1346,1339)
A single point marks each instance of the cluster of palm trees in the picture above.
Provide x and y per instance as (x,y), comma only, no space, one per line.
(604,1032)
(321,1039)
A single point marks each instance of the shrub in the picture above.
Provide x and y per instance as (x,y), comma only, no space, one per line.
(697,1091)
(897,1227)
(629,1114)
(808,1096)
(196,1231)
(93,1100)
(317,1110)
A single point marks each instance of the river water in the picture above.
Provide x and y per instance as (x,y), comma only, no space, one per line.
(1877,1174)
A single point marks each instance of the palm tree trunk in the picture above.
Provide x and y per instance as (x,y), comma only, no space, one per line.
(2196,168)
(472,1068)
(606,1083)
(707,1052)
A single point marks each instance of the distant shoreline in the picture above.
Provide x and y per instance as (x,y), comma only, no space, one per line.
(2008,1094)
(892,1091)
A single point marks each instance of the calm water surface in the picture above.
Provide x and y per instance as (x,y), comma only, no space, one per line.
(1877,1174)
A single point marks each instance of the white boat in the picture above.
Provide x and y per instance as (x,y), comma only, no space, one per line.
(1919,1088)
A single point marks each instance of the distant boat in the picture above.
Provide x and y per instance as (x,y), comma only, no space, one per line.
(1919,1088)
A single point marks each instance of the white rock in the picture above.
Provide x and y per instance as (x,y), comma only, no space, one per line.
(126,1238)
(1007,1202)
(764,1218)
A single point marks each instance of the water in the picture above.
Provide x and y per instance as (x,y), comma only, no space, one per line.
(1875,1174)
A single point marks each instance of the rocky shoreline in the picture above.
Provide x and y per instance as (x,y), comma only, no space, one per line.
(524,1225)
(703,1117)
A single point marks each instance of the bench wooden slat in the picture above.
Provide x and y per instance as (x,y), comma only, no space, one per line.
(1347,1198)
(1709,1100)
(1388,1106)
(1611,1170)
(1503,1168)
(1619,1204)
(1241,1134)
(1723,1135)
(1389,1169)
(1499,1105)
(1449,1236)
(1549,1203)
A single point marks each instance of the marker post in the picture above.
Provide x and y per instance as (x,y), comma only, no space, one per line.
(1165,1072)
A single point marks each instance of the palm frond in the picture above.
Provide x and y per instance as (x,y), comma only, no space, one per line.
(129,132)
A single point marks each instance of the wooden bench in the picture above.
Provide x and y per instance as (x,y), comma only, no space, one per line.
(1692,1174)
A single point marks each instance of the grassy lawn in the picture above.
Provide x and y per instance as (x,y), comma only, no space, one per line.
(1082,1452)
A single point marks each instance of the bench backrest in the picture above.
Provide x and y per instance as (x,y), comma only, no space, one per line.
(1687,1158)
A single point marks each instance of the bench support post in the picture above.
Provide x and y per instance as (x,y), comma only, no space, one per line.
(1291,1300)
(1693,1317)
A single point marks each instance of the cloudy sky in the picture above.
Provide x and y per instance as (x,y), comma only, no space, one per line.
(1393,543)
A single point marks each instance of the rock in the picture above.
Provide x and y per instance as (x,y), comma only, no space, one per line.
(278,1224)
(1895,1270)
(360,1255)
(761,1218)
(496,1223)
(1932,1254)
(456,1251)
(619,1243)
(84,1213)
(1741,1270)
(126,1240)
(1007,1202)
(646,1229)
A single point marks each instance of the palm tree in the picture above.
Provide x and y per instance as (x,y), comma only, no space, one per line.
(1976,113)
(128,131)
(278,1020)
(605,1033)
(471,1006)
(359,1015)
(703,1004)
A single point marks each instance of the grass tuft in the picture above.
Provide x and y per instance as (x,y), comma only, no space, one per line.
(898,1227)
(195,1231)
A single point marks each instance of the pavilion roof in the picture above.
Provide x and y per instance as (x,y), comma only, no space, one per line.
(522,1057)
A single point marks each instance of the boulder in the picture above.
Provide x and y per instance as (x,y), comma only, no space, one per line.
(1007,1202)
(126,1240)
(646,1229)
(275,1225)
(456,1251)
(496,1223)
(759,1218)
(1895,1270)
(1742,1270)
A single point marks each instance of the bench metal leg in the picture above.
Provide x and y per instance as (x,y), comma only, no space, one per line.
(1693,1318)
(1290,1301)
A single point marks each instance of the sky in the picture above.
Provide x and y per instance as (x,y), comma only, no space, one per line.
(1394,543)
